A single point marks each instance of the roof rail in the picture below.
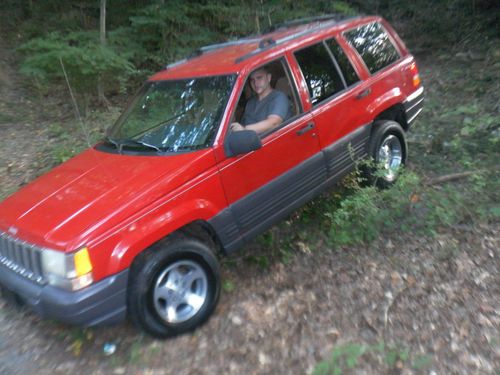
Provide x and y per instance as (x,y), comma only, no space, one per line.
(270,42)
(179,62)
(212,47)
(303,21)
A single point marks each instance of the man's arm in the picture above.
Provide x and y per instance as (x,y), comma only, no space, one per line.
(259,127)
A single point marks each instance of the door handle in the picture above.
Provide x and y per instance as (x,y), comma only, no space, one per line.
(305,129)
(364,93)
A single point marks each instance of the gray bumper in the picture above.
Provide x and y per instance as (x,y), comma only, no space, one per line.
(102,303)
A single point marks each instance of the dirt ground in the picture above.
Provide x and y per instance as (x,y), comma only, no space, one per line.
(407,304)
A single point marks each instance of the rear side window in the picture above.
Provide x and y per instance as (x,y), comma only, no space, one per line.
(322,77)
(345,65)
(373,44)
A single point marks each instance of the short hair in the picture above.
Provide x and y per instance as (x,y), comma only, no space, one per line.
(264,68)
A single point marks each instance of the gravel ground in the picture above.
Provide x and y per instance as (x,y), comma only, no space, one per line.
(433,300)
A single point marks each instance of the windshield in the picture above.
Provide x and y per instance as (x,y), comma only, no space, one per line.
(174,115)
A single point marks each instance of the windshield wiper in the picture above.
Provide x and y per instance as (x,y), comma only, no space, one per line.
(112,141)
(134,142)
(119,144)
(159,124)
(131,142)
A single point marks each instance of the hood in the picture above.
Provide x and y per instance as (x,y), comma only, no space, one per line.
(91,190)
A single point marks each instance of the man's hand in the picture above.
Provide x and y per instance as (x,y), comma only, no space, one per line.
(236,127)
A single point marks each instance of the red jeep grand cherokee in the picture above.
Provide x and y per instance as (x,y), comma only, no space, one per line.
(132,225)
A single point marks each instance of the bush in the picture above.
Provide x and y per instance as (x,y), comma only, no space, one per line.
(411,205)
(84,60)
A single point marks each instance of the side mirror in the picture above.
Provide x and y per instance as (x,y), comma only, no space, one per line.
(241,142)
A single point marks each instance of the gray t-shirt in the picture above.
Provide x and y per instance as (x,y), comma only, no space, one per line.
(276,103)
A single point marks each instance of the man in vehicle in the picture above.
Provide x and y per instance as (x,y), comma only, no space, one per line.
(267,108)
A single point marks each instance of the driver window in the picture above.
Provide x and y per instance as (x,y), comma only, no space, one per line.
(285,104)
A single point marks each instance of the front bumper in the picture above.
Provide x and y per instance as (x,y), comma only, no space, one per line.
(102,303)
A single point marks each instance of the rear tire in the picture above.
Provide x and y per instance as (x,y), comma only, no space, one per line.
(174,287)
(388,150)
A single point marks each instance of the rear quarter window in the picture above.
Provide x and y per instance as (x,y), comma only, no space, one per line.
(373,45)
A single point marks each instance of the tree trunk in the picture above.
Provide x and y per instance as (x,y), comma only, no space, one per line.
(102,23)
(102,37)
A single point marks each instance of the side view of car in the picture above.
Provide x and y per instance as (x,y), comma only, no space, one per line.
(133,226)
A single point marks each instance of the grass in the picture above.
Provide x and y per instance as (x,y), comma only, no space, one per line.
(346,358)
(6,118)
(72,137)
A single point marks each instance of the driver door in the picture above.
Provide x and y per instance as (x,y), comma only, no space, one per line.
(264,185)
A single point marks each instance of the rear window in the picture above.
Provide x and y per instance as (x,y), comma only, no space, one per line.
(374,45)
(345,65)
(323,79)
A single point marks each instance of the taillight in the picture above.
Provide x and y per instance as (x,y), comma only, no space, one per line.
(414,74)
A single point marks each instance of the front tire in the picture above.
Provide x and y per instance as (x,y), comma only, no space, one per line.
(174,287)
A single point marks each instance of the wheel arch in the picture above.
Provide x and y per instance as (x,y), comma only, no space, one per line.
(395,112)
(119,251)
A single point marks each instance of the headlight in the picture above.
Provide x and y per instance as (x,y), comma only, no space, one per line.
(68,271)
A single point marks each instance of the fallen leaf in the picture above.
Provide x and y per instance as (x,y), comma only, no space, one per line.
(415,198)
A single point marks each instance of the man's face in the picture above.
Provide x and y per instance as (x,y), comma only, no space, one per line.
(260,81)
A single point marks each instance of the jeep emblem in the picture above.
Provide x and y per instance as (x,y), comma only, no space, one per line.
(13,230)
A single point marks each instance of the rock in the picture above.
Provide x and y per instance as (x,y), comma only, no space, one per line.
(484,321)
(264,359)
(479,280)
(236,320)
(66,367)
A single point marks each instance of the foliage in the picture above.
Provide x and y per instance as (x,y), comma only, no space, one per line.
(142,36)
(410,205)
(447,22)
(82,57)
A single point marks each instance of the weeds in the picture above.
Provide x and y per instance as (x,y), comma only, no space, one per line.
(346,358)
(228,286)
(135,352)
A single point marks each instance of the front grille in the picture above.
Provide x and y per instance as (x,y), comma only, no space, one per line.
(21,257)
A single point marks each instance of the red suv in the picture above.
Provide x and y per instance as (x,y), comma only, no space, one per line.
(132,225)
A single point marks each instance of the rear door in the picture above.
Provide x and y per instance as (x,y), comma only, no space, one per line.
(338,104)
(381,55)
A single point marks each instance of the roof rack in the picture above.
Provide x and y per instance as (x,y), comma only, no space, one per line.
(303,21)
(212,47)
(267,43)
